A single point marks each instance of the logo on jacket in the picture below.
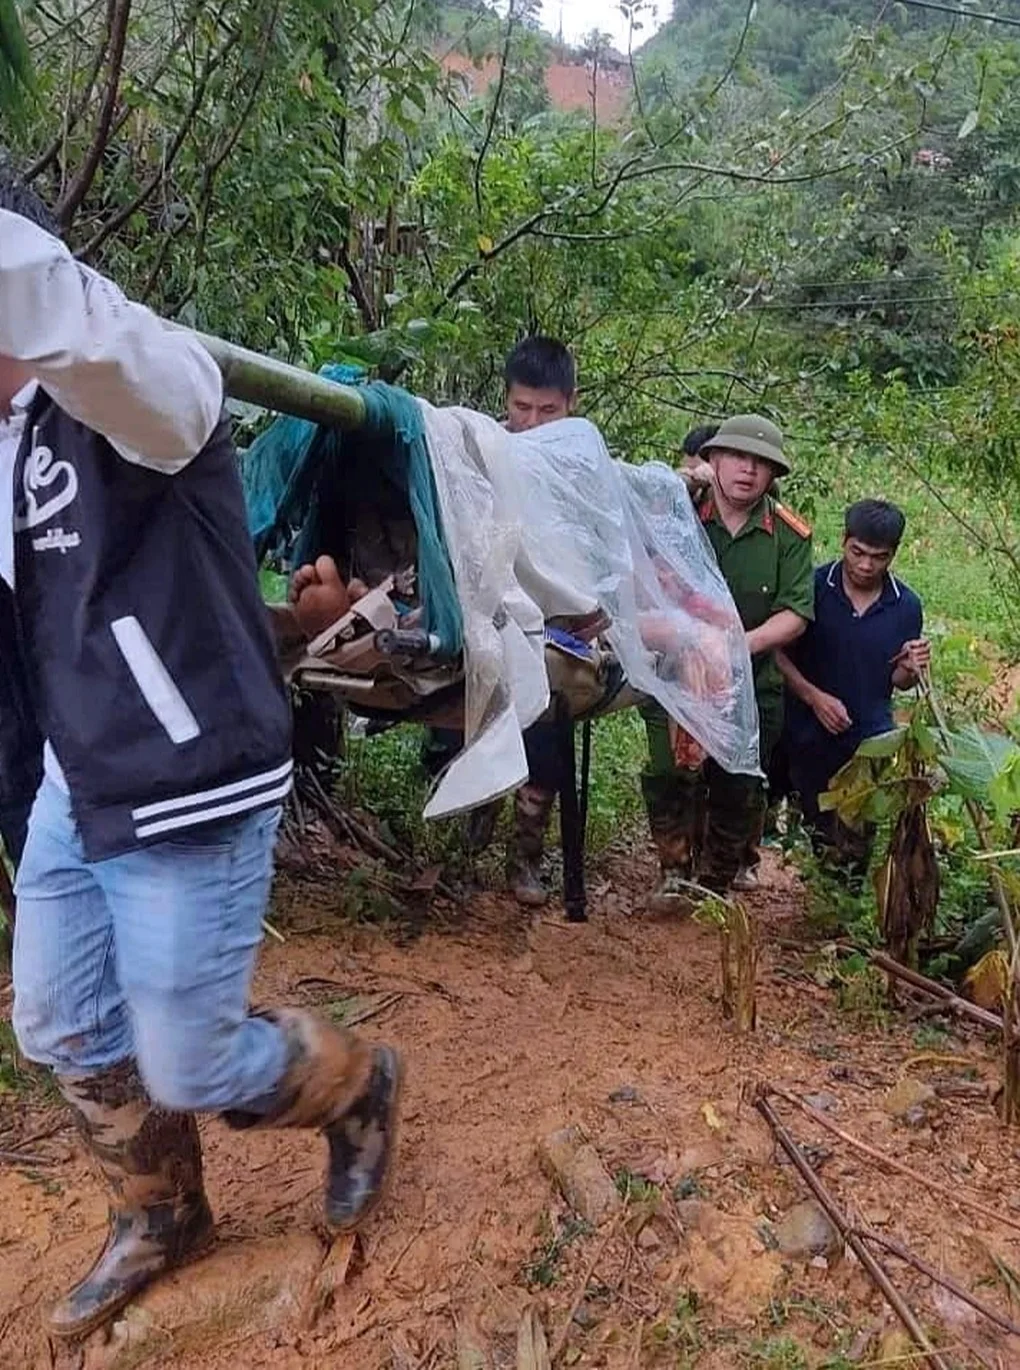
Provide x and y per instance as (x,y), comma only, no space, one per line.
(50,485)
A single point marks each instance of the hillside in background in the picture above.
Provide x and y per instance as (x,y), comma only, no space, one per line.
(795,46)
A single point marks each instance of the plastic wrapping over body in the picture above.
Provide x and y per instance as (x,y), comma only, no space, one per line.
(544,525)
(629,536)
(505,683)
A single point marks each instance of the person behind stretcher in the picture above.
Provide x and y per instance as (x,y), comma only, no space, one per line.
(540,388)
(705,822)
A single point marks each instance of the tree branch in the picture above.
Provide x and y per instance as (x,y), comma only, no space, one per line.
(120,218)
(118,14)
(497,100)
(358,289)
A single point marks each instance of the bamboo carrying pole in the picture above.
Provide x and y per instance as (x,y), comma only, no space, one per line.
(275,385)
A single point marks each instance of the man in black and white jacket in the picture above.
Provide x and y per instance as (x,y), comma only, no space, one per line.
(135,649)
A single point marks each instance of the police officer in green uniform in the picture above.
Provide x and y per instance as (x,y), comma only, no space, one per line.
(703,819)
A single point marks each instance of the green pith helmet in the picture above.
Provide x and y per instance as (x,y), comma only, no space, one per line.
(754,434)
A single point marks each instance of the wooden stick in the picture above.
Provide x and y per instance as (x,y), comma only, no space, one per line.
(336,817)
(561,1336)
(946,1281)
(937,991)
(954,1195)
(874,1268)
(25,1158)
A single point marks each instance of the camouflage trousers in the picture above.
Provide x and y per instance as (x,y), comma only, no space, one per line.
(705,822)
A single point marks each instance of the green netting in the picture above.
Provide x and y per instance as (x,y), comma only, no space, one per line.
(305,485)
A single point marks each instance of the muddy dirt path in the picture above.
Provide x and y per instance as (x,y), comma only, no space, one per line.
(512,1027)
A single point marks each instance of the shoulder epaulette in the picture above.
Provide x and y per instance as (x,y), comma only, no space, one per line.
(793,520)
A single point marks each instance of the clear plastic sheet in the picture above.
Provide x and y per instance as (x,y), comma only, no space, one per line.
(546,524)
(630,537)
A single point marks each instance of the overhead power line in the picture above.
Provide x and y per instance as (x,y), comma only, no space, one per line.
(962,13)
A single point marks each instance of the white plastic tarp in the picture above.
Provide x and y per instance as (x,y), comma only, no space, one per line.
(546,524)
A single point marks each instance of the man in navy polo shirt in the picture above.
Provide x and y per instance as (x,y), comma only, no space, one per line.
(865,642)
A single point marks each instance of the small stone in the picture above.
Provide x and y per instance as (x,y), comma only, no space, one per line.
(807,1231)
(906,1097)
(824,1103)
(818,1263)
(626,1094)
(570,1159)
(648,1239)
(586,1317)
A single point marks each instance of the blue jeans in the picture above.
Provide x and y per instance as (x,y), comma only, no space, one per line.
(148,955)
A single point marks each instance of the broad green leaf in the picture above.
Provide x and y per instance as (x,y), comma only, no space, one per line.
(884,744)
(1004,791)
(975,759)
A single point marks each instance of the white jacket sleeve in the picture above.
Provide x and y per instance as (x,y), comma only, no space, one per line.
(153,391)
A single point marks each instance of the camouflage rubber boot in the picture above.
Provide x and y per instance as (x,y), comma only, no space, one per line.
(746,878)
(532,807)
(735,807)
(151,1161)
(670,818)
(349,1091)
(480,826)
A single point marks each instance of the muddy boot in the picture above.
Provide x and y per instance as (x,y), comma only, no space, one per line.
(746,879)
(673,893)
(672,818)
(151,1162)
(532,807)
(349,1091)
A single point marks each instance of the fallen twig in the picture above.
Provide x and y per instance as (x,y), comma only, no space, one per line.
(392,1268)
(946,1281)
(273,932)
(43,1136)
(369,1011)
(951,1001)
(336,817)
(954,1195)
(25,1158)
(561,1336)
(842,1225)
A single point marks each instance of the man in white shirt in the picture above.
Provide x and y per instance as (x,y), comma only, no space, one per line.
(134,640)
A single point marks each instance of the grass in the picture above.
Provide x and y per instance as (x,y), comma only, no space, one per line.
(17,1076)
(776,1353)
(384,774)
(542,1270)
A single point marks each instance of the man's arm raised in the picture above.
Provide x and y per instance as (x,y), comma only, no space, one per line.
(153,391)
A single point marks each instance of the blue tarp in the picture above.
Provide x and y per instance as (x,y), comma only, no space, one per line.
(289,471)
